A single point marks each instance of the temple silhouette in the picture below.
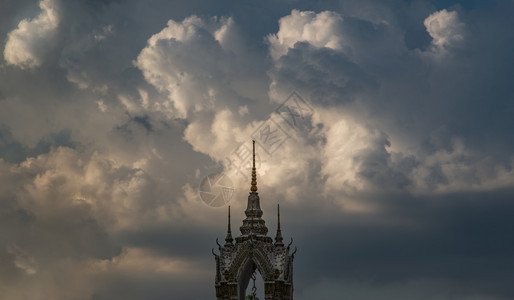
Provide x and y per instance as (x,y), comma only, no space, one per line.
(254,251)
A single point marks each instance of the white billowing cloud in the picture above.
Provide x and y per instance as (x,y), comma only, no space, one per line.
(359,158)
(206,75)
(27,44)
(360,152)
(319,30)
(60,212)
(190,62)
(68,179)
(355,155)
(360,40)
(445,28)
(330,58)
(211,79)
(55,216)
(213,137)
(346,142)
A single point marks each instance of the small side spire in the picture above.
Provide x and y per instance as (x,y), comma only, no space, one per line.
(253,189)
(229,238)
(278,239)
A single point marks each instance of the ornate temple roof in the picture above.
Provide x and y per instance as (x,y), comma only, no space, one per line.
(253,225)
(254,251)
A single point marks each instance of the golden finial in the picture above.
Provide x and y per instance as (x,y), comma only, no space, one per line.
(278,205)
(253,189)
(229,219)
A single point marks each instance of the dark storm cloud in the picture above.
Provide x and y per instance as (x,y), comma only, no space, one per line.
(335,78)
(146,286)
(184,240)
(462,238)
(13,151)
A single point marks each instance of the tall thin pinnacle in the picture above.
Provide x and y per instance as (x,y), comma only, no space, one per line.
(278,209)
(229,230)
(229,238)
(278,238)
(253,189)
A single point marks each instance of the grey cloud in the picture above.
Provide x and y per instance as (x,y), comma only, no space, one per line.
(13,151)
(145,286)
(322,75)
(459,237)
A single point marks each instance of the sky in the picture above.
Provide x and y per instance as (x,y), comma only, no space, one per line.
(384,130)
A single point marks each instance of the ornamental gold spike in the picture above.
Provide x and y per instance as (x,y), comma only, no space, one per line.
(278,209)
(229,229)
(253,189)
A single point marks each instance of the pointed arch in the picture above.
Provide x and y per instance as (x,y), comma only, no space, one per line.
(244,277)
(259,258)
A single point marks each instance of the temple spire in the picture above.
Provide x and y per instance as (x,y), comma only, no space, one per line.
(229,238)
(253,189)
(254,251)
(278,238)
(253,224)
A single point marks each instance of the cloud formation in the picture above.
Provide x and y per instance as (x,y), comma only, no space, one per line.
(445,28)
(27,44)
(182,60)
(319,30)
(395,176)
